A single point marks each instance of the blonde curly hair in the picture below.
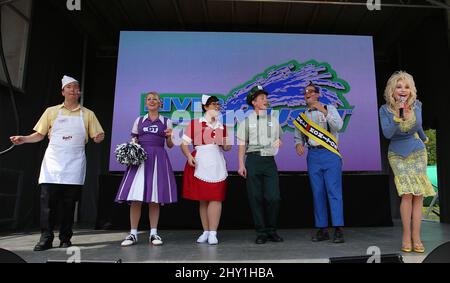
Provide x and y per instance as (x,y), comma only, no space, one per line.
(392,85)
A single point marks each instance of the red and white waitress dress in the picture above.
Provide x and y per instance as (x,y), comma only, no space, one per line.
(207,181)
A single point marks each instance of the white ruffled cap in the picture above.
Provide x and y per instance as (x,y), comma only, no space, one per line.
(67,80)
(205,98)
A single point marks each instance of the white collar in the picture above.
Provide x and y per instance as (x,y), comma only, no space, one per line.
(161,118)
(216,125)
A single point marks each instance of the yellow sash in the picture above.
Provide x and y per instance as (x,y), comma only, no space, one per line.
(317,133)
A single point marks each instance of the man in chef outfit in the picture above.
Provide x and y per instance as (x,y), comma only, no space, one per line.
(68,126)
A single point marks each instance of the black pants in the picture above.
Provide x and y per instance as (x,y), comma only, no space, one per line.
(263,192)
(58,205)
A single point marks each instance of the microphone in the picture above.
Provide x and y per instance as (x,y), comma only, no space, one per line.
(402,107)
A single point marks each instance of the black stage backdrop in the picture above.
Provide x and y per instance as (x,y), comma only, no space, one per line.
(364,204)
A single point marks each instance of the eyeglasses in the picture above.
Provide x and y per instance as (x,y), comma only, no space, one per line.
(310,91)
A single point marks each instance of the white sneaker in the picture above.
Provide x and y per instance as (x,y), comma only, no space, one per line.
(203,238)
(156,240)
(129,241)
(212,240)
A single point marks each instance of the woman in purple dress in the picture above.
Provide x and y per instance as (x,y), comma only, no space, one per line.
(153,181)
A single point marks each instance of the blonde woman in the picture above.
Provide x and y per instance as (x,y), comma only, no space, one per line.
(401,122)
(153,181)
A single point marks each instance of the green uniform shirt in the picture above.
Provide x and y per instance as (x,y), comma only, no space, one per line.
(259,132)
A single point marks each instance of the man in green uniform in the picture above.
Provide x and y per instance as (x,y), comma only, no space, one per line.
(259,137)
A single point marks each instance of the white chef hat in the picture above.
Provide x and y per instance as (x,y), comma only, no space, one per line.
(67,80)
(205,98)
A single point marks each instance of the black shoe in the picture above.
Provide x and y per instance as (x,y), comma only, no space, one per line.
(42,246)
(261,239)
(338,236)
(65,244)
(321,235)
(274,237)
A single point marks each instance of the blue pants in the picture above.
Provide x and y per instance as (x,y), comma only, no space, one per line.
(325,176)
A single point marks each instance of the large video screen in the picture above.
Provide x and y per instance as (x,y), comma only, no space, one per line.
(181,66)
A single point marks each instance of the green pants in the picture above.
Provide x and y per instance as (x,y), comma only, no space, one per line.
(263,192)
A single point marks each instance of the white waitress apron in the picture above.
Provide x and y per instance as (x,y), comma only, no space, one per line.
(210,164)
(65,160)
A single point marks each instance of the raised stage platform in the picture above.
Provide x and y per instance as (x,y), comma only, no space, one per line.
(236,246)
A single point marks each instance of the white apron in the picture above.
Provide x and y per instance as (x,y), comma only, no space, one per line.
(64,160)
(210,164)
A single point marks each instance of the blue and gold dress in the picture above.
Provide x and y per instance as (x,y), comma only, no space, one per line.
(407,153)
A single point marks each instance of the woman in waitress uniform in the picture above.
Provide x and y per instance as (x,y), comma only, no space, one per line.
(205,172)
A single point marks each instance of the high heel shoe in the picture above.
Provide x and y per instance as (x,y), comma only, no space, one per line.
(418,248)
(406,248)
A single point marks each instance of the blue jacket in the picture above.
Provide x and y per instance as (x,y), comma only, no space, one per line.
(402,143)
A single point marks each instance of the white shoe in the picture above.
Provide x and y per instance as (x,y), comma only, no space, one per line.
(129,241)
(156,240)
(212,240)
(203,238)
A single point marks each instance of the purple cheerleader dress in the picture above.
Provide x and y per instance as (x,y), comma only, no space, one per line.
(153,180)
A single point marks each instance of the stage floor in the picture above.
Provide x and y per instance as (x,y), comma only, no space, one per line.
(235,246)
